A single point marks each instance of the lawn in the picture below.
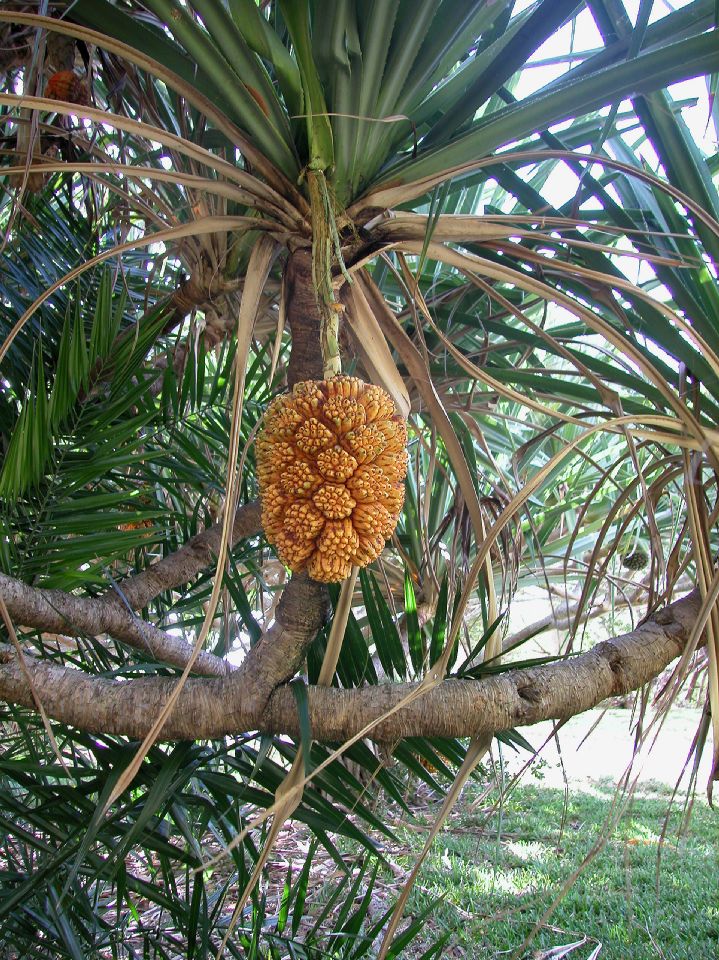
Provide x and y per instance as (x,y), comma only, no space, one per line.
(499,870)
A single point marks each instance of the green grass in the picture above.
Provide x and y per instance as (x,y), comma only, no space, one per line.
(499,871)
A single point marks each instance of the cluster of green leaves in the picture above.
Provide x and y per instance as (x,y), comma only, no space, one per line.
(132,884)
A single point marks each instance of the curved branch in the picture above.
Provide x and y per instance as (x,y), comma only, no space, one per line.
(279,653)
(211,708)
(61,612)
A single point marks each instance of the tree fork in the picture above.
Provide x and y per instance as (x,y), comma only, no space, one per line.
(303,607)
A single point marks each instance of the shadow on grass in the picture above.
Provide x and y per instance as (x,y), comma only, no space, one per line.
(639,898)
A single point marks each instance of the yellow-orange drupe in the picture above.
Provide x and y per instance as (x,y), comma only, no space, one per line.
(331,462)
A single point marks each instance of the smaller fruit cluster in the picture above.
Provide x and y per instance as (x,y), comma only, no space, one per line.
(331,462)
(66,85)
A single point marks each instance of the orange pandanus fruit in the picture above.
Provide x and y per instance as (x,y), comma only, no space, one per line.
(331,462)
(66,85)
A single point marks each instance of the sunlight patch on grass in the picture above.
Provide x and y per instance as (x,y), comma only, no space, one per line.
(537,852)
(498,874)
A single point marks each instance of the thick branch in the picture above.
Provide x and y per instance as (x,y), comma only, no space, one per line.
(280,652)
(456,708)
(61,612)
(181,566)
(462,708)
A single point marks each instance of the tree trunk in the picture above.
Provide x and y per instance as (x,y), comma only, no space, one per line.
(303,319)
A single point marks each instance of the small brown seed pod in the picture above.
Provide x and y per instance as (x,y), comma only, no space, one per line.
(66,85)
(331,462)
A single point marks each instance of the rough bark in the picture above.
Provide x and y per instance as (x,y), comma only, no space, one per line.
(303,608)
(456,708)
(303,319)
(60,612)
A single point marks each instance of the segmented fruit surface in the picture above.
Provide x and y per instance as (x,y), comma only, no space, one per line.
(66,85)
(331,462)
(636,559)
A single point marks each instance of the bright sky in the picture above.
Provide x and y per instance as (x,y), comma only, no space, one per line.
(582,35)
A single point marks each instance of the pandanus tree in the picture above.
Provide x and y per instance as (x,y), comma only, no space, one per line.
(210,204)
